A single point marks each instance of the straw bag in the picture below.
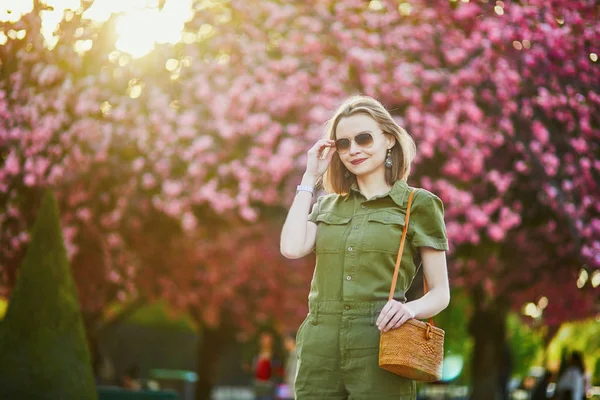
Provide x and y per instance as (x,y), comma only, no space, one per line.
(416,349)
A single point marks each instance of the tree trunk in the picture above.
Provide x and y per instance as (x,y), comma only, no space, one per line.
(491,364)
(212,344)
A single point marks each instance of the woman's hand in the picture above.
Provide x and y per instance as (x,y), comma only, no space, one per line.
(316,164)
(393,315)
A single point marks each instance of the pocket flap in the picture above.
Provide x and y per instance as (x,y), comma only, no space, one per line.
(333,219)
(386,217)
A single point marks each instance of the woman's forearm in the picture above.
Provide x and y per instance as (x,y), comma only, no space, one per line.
(293,242)
(435,301)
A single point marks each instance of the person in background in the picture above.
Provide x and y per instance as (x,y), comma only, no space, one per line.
(131,379)
(265,366)
(571,384)
(292,361)
(540,392)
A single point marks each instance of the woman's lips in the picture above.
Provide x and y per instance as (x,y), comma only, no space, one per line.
(358,161)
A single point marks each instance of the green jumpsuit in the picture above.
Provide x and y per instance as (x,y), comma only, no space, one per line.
(356,246)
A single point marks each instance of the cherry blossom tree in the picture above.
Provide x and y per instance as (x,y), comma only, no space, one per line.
(173,169)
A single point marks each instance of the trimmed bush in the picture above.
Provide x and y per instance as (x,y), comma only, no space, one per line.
(43,351)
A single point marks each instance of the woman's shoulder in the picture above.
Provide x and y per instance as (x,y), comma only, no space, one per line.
(334,202)
(424,196)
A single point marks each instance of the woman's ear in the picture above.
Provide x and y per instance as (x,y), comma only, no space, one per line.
(391,140)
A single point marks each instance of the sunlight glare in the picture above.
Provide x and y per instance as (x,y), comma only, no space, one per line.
(12,10)
(140,24)
(137,31)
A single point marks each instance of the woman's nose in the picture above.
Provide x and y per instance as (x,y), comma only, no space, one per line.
(354,148)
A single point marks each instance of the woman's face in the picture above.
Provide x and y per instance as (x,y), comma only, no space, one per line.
(368,159)
(266,340)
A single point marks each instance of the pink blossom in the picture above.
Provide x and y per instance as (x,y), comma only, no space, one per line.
(477,217)
(540,132)
(508,219)
(453,167)
(172,188)
(138,164)
(173,208)
(521,166)
(248,214)
(113,276)
(50,74)
(12,165)
(496,233)
(148,181)
(585,163)
(29,180)
(551,163)
(189,221)
(114,240)
(84,214)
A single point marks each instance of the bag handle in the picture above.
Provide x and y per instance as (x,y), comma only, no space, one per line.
(401,250)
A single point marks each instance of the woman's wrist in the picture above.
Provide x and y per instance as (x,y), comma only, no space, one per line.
(308,180)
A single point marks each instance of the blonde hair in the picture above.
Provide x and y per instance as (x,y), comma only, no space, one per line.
(403,152)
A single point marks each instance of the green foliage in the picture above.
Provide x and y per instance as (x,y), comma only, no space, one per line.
(526,345)
(3,305)
(454,321)
(583,336)
(43,349)
(159,314)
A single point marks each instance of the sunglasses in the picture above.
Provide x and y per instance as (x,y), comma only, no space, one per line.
(364,140)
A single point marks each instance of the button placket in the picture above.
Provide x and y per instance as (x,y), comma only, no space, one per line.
(353,241)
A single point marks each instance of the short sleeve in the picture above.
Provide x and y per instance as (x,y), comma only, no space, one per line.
(427,223)
(315,211)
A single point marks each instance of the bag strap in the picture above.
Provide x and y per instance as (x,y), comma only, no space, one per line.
(401,250)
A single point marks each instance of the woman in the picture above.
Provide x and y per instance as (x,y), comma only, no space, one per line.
(571,382)
(265,366)
(363,163)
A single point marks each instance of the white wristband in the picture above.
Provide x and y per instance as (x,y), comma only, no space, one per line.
(305,189)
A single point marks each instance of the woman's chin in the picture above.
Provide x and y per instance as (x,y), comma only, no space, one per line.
(363,170)
(359,172)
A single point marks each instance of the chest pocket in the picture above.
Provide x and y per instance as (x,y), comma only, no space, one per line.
(331,231)
(383,232)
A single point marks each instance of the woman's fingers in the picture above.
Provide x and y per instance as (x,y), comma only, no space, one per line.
(393,321)
(387,313)
(393,315)
(316,163)
(402,320)
(320,145)
(331,152)
(324,152)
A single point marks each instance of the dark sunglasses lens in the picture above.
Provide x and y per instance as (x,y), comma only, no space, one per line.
(342,145)
(364,139)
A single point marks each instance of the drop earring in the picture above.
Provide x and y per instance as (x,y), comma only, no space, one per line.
(347,174)
(388,159)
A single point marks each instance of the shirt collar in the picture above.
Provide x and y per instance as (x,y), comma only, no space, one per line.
(398,193)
